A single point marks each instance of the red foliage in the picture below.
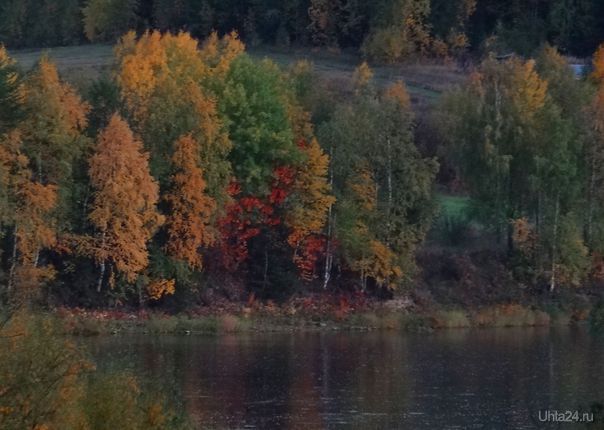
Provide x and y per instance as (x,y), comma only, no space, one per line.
(311,249)
(247,215)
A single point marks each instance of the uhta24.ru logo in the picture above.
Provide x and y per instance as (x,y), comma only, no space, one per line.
(554,416)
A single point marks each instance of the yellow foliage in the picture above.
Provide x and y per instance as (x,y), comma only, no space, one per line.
(313,195)
(5,62)
(379,264)
(53,129)
(365,189)
(362,76)
(159,288)
(527,89)
(48,96)
(218,54)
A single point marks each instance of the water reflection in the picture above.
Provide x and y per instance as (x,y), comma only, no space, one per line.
(456,379)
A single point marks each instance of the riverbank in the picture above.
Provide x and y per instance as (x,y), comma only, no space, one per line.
(92,323)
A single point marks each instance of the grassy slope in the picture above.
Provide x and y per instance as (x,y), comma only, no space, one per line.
(425,81)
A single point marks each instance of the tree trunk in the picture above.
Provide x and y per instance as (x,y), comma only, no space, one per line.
(99,284)
(85,206)
(40,167)
(389,185)
(552,282)
(13,262)
(265,276)
(330,227)
(590,208)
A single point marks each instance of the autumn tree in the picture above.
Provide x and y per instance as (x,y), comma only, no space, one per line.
(169,85)
(310,204)
(27,209)
(54,140)
(190,208)
(399,30)
(124,209)
(449,20)
(56,119)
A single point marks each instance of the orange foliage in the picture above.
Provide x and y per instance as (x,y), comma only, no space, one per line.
(218,54)
(598,64)
(35,202)
(379,264)
(523,235)
(140,62)
(190,207)
(124,208)
(398,93)
(159,288)
(157,61)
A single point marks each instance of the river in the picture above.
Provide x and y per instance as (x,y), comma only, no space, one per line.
(456,379)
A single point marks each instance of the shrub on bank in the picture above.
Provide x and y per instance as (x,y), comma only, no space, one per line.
(512,315)
(47,382)
(450,319)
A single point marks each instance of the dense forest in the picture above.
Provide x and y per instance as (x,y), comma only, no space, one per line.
(435,28)
(190,165)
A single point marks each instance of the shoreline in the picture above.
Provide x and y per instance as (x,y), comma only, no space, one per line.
(98,323)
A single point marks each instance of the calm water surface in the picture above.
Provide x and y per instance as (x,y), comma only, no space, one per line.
(462,379)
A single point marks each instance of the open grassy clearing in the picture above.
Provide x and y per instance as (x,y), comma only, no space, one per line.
(453,206)
(425,81)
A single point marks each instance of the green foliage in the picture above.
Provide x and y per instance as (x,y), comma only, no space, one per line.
(596,317)
(36,23)
(399,30)
(388,29)
(255,109)
(104,99)
(382,183)
(518,142)
(107,20)
(11,109)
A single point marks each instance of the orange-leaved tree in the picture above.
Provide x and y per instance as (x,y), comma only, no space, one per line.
(190,208)
(124,209)
(28,207)
(169,84)
(310,202)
